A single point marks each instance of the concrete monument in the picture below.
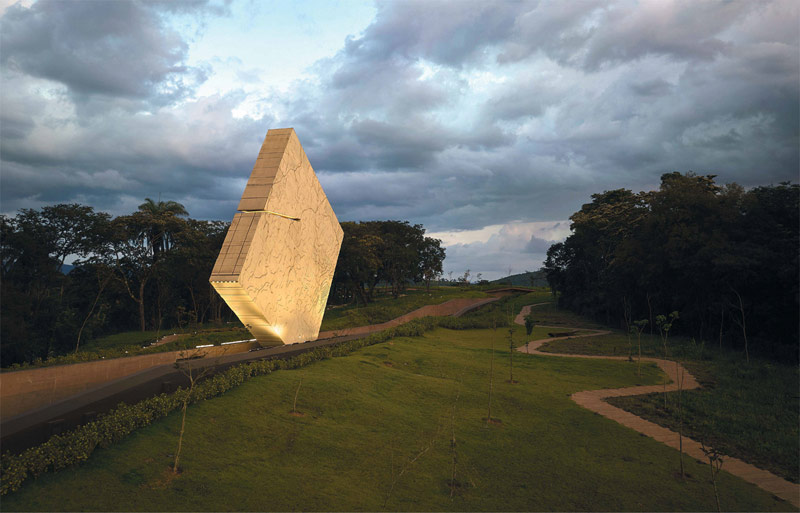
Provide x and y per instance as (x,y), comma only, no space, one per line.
(276,264)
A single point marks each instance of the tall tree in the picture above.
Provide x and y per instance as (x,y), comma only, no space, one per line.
(392,252)
(692,246)
(401,253)
(141,239)
(135,263)
(162,226)
(70,229)
(188,266)
(431,258)
(35,244)
(359,261)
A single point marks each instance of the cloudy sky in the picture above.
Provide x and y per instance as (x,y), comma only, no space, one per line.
(487,122)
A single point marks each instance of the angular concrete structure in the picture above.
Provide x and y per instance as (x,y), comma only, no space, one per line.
(276,264)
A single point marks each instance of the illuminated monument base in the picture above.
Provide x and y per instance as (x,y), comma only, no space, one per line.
(276,264)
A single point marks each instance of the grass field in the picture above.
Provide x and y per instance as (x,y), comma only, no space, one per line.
(386,308)
(376,435)
(746,410)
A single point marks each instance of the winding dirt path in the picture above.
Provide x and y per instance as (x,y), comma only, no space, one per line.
(455,307)
(594,400)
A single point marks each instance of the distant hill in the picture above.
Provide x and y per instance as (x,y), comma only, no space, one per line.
(524,279)
(66,268)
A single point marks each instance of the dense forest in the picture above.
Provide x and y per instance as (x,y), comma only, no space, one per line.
(149,271)
(724,258)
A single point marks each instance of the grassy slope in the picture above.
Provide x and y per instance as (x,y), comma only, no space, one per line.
(746,410)
(386,308)
(523,279)
(370,414)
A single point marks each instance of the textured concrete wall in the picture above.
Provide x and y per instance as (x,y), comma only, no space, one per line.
(25,390)
(276,264)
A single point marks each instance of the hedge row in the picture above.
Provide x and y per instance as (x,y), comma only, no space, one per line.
(75,446)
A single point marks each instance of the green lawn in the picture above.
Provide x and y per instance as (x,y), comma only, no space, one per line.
(376,435)
(745,410)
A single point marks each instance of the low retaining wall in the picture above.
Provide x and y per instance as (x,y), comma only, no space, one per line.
(25,390)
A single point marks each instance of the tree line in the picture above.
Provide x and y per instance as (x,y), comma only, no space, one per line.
(726,258)
(392,252)
(149,271)
(146,270)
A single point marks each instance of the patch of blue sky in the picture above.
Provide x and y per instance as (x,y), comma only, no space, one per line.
(263,47)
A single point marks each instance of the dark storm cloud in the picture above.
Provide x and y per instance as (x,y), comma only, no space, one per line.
(458,115)
(447,33)
(100,129)
(398,146)
(587,34)
(537,245)
(586,66)
(595,34)
(655,87)
(685,31)
(102,160)
(462,189)
(95,47)
(527,96)
(370,144)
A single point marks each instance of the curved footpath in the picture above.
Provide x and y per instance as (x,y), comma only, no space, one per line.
(594,401)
